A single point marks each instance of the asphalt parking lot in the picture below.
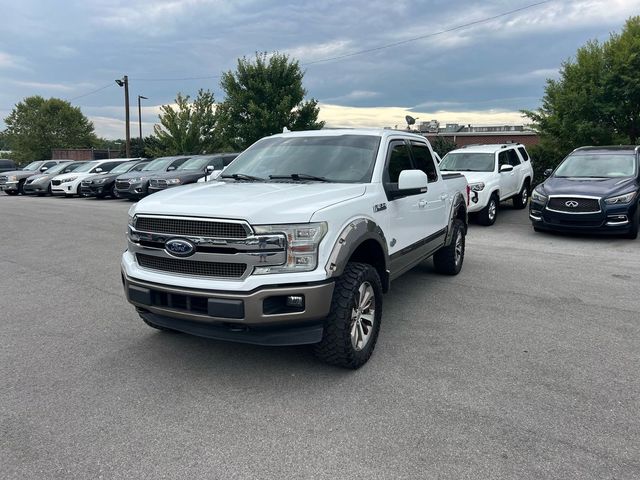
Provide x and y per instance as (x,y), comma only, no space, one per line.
(523,366)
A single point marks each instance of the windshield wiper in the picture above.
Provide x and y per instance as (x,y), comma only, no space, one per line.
(243,176)
(299,176)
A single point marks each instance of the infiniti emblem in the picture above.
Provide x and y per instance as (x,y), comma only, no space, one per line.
(179,248)
(571,204)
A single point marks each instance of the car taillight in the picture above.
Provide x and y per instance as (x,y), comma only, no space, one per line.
(468,195)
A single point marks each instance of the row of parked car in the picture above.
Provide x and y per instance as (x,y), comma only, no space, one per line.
(116,177)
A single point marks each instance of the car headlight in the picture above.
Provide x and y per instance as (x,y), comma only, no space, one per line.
(12,178)
(100,181)
(537,196)
(476,187)
(132,215)
(303,241)
(68,179)
(626,198)
(173,181)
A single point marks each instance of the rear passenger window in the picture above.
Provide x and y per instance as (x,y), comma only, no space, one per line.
(523,153)
(512,157)
(424,160)
(399,159)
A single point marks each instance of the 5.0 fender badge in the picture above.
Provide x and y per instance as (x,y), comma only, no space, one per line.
(379,207)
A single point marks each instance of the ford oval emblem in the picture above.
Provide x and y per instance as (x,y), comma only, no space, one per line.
(179,247)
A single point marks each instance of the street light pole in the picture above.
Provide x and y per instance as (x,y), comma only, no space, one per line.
(140,121)
(125,83)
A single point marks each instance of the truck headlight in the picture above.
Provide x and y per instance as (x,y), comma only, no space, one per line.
(538,197)
(626,198)
(132,215)
(476,187)
(303,241)
(12,178)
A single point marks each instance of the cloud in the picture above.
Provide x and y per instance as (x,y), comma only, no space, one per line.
(45,86)
(11,61)
(319,51)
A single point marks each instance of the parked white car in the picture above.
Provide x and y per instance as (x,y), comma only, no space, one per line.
(495,173)
(70,184)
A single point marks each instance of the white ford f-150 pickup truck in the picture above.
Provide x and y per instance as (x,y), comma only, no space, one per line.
(297,241)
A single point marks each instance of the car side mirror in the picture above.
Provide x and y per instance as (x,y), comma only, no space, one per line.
(171,168)
(548,172)
(210,169)
(98,170)
(506,168)
(410,182)
(44,169)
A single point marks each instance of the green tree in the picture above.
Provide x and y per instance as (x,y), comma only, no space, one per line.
(595,101)
(37,125)
(443,145)
(262,97)
(186,129)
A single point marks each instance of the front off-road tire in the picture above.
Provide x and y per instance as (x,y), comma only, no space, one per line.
(352,327)
(448,260)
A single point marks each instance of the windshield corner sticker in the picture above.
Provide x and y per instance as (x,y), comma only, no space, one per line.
(379,207)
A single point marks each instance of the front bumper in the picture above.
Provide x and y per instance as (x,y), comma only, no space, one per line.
(611,219)
(478,200)
(35,188)
(132,190)
(93,190)
(67,188)
(260,316)
(9,187)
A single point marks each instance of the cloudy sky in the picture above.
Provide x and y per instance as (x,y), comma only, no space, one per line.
(484,73)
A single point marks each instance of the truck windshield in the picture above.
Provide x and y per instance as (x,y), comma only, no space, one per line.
(468,162)
(336,158)
(597,166)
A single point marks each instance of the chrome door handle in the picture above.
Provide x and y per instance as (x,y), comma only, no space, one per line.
(444,196)
(422,203)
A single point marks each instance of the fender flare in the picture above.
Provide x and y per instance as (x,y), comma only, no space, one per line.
(459,203)
(352,236)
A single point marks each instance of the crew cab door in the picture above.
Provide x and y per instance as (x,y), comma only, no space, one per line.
(437,196)
(406,214)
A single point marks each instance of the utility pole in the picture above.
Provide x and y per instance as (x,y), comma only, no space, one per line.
(140,122)
(125,83)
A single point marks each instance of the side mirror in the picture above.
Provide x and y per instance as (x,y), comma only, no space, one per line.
(506,168)
(410,182)
(210,169)
(98,170)
(44,169)
(171,168)
(548,172)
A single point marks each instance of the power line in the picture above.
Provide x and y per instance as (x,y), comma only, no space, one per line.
(428,35)
(373,49)
(91,92)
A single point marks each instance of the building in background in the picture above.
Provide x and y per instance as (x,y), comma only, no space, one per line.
(84,154)
(469,134)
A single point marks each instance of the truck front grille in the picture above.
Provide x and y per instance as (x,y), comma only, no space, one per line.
(3,180)
(190,267)
(574,205)
(195,228)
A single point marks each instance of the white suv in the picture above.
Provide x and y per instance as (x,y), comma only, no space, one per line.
(69,184)
(495,173)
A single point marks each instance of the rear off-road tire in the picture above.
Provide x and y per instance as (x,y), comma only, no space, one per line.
(448,260)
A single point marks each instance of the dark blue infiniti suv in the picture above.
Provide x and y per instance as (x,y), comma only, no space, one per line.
(594,190)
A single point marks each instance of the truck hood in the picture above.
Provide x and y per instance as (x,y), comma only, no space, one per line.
(257,203)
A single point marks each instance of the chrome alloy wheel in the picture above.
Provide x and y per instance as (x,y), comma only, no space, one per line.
(459,247)
(363,315)
(492,209)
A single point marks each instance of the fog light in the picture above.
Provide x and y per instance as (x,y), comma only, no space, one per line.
(474,199)
(296,301)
